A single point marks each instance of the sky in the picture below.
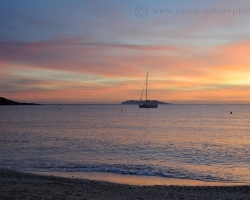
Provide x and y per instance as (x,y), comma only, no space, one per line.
(89,51)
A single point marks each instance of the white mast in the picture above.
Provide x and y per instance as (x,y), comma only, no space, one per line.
(147,88)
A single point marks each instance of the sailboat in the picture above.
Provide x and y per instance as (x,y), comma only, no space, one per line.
(147,104)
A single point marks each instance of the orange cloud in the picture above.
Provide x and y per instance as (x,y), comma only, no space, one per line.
(53,72)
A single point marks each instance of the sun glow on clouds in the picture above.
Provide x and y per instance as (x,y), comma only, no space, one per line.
(81,57)
(204,77)
(39,83)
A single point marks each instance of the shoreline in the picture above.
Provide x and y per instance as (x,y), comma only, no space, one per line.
(137,180)
(20,185)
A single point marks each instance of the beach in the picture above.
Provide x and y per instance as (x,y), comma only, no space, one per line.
(19,185)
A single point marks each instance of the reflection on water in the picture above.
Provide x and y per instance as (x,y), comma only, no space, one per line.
(202,142)
(134,180)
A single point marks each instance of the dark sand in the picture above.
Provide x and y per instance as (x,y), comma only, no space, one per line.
(17,185)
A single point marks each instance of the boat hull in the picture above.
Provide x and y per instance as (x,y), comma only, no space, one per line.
(148,105)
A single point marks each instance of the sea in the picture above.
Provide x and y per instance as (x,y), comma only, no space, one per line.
(208,143)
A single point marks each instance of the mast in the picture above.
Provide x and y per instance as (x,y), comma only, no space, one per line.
(147,89)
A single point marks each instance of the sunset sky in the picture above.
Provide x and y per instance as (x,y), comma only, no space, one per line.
(89,51)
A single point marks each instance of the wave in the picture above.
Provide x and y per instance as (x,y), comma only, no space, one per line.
(141,170)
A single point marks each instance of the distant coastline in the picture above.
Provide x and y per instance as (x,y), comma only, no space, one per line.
(4,101)
(141,102)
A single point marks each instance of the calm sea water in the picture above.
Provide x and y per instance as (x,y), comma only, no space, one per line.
(198,142)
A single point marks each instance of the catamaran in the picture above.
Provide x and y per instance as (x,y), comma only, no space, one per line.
(147,104)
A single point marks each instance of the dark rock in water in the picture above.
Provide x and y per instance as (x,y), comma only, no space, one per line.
(142,102)
(4,101)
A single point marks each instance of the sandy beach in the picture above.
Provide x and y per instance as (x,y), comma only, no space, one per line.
(18,185)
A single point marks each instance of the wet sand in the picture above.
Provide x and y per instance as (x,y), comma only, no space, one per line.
(18,185)
(139,180)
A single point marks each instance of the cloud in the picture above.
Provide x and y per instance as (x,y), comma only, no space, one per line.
(78,56)
(88,71)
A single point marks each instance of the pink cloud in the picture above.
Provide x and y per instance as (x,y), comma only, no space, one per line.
(181,74)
